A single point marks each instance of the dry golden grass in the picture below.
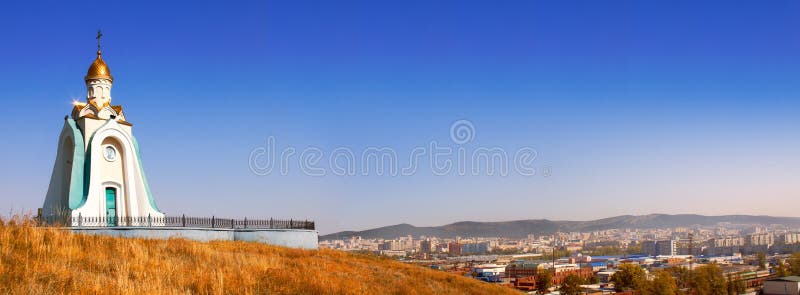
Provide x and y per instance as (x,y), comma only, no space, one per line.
(36,260)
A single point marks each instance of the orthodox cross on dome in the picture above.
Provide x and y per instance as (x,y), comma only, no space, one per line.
(99,35)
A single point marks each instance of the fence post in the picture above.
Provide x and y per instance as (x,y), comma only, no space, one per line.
(270,222)
(291,223)
(80,220)
(149,220)
(245,222)
(183,220)
(212,221)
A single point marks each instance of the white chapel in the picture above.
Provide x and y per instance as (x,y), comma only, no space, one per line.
(98,171)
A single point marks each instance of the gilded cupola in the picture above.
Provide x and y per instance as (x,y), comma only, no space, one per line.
(98,69)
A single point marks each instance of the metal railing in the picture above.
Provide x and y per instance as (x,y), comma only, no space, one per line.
(175,221)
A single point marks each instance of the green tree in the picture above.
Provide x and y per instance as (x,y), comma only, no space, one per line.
(683,276)
(737,286)
(606,250)
(593,280)
(708,280)
(794,264)
(572,285)
(628,277)
(731,285)
(558,254)
(544,280)
(634,249)
(762,261)
(662,284)
(780,269)
(509,251)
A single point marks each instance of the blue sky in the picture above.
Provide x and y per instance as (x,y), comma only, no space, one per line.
(637,108)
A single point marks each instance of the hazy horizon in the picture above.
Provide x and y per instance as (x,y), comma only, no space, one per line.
(623,108)
(579,220)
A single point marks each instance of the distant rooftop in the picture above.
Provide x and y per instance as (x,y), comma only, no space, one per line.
(787,279)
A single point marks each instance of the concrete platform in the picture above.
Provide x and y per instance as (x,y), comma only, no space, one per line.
(293,238)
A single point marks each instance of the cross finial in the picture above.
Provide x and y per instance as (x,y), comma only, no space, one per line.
(99,35)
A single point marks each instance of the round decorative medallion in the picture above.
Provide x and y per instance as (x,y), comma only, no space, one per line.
(110,153)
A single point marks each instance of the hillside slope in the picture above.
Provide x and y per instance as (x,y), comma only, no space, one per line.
(53,261)
(521,228)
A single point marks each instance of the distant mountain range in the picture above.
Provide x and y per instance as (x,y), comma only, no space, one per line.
(521,228)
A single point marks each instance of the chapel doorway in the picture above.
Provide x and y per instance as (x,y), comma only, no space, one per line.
(111,206)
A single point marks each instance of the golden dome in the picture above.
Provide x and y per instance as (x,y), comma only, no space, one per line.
(99,69)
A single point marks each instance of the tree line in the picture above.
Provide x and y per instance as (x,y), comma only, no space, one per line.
(704,280)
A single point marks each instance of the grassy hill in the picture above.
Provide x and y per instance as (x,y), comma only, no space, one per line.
(53,261)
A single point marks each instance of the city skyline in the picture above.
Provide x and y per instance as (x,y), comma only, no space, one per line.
(631,108)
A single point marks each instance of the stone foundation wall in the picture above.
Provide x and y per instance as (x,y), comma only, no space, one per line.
(293,238)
